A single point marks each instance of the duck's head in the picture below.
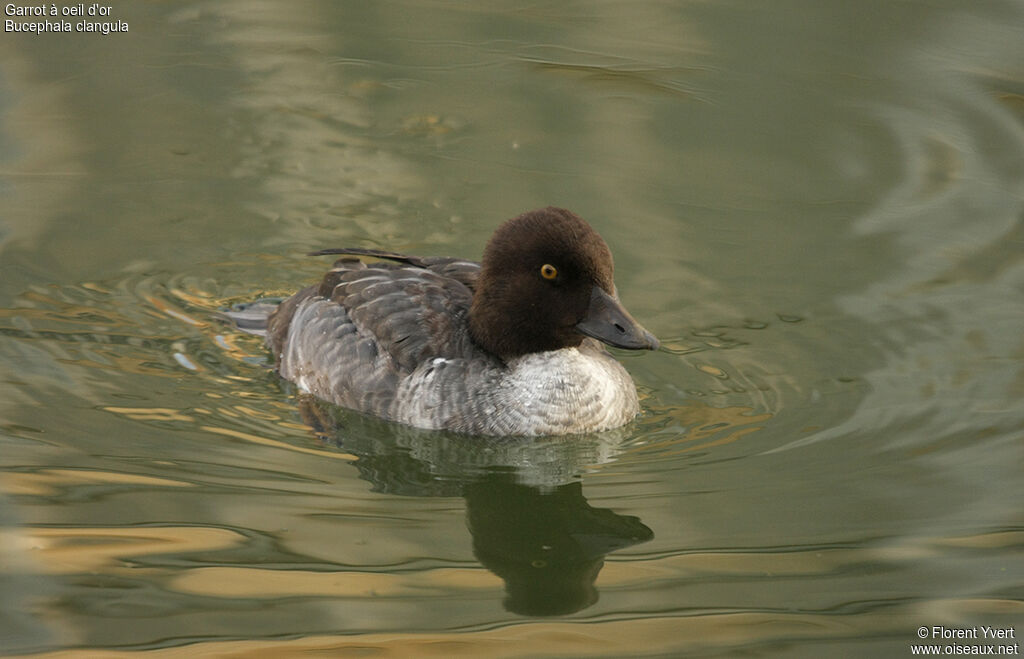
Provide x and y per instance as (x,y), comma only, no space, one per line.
(547,283)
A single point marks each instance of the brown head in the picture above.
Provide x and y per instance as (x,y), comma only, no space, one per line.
(546,283)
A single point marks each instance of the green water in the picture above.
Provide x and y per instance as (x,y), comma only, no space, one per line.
(818,207)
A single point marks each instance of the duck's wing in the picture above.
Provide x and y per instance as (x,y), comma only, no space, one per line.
(351,338)
(461,270)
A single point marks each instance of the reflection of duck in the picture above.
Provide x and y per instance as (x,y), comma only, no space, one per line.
(506,347)
(525,508)
(548,547)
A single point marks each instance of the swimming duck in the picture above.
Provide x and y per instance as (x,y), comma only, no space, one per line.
(509,346)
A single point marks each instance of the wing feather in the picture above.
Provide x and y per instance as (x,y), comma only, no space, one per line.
(366,326)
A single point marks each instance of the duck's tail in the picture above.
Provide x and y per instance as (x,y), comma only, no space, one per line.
(250,317)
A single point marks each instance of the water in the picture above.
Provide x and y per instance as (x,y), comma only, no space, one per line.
(818,207)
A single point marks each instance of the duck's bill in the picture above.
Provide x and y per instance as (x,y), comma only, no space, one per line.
(608,321)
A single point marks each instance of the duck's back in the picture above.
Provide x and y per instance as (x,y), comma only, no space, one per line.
(355,337)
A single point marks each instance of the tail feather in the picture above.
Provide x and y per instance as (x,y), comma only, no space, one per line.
(377,254)
(250,317)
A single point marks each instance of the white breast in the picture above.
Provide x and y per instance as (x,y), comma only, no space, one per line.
(549,393)
(570,391)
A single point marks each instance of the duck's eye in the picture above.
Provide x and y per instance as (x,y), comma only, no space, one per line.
(548,271)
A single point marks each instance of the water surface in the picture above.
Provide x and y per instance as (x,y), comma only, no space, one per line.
(817,206)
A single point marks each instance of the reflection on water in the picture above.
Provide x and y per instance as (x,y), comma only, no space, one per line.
(530,523)
(818,206)
(548,547)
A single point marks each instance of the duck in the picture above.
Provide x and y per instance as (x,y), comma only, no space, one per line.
(511,345)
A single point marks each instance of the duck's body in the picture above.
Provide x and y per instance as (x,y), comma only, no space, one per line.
(443,343)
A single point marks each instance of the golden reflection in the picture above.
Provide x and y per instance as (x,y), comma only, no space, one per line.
(713,370)
(47,482)
(172,312)
(66,312)
(291,425)
(921,548)
(123,364)
(657,635)
(229,344)
(255,414)
(996,540)
(1013,101)
(149,413)
(825,561)
(953,610)
(677,347)
(196,298)
(165,414)
(95,288)
(272,584)
(74,550)
(264,441)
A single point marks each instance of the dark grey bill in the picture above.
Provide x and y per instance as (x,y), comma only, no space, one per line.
(608,321)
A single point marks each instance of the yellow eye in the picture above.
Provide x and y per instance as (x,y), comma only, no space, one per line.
(548,271)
